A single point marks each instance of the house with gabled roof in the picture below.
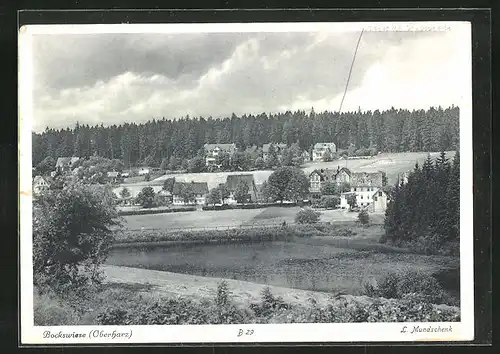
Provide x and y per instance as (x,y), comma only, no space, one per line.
(65,164)
(319,177)
(200,190)
(41,183)
(320,149)
(366,186)
(212,151)
(232,182)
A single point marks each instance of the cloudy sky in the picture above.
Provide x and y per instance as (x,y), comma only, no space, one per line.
(116,78)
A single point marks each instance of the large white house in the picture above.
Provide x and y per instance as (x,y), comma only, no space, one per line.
(367,189)
(320,149)
(212,151)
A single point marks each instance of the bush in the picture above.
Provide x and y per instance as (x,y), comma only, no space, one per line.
(397,285)
(72,235)
(363,217)
(48,310)
(307,216)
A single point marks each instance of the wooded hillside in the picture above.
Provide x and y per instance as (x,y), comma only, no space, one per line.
(393,130)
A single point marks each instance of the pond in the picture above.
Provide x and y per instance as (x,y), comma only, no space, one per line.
(288,264)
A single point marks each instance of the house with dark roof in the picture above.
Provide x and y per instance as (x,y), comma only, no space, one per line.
(41,183)
(343,175)
(232,182)
(320,149)
(212,151)
(197,190)
(366,187)
(278,149)
(319,177)
(114,177)
(65,164)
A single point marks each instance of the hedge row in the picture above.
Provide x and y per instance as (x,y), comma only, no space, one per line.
(154,211)
(252,206)
(254,234)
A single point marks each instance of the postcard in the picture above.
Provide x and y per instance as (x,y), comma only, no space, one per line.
(246,183)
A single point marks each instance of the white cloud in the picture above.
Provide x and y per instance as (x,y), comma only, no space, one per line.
(260,76)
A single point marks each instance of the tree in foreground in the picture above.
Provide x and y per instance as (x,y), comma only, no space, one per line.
(187,193)
(47,165)
(329,189)
(125,193)
(351,200)
(241,192)
(307,216)
(72,235)
(287,183)
(363,217)
(146,197)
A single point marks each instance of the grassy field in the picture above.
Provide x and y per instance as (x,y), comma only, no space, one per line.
(192,219)
(233,218)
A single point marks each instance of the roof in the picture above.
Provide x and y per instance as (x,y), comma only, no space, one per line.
(46,179)
(379,190)
(323,145)
(113,174)
(63,161)
(224,147)
(233,180)
(345,169)
(360,179)
(199,187)
(265,147)
(325,172)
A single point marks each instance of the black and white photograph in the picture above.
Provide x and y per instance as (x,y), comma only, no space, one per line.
(251,182)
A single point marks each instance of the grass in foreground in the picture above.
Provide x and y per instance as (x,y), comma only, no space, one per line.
(122,306)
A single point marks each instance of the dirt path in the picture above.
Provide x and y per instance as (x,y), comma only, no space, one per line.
(202,287)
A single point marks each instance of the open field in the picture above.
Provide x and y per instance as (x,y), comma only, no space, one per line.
(233,218)
(192,219)
(391,163)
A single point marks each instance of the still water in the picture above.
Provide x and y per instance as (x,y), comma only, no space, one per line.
(294,265)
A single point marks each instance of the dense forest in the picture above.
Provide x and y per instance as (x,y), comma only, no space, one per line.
(426,210)
(435,129)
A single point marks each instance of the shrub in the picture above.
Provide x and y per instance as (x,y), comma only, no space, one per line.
(72,235)
(48,310)
(307,216)
(363,217)
(397,285)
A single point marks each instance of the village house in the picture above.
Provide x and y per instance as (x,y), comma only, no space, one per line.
(278,148)
(365,187)
(212,151)
(65,164)
(143,171)
(343,175)
(318,178)
(320,149)
(200,190)
(114,177)
(40,184)
(232,182)
(380,199)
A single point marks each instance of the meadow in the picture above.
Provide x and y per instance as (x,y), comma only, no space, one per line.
(233,218)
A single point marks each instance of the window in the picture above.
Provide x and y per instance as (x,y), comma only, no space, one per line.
(379,194)
(361,197)
(375,198)
(355,189)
